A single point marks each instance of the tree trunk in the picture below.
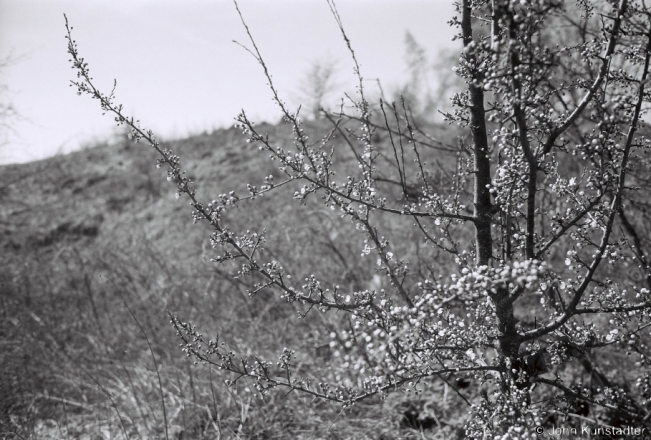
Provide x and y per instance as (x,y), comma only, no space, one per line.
(509,341)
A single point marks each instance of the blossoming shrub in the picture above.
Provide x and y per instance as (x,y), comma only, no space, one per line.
(515,257)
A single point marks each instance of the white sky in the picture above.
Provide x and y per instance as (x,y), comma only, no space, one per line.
(178,70)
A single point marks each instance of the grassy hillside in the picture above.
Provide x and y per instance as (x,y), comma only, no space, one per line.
(96,250)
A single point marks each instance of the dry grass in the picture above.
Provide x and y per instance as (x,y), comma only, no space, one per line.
(96,251)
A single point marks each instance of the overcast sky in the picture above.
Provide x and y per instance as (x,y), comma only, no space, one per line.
(177,67)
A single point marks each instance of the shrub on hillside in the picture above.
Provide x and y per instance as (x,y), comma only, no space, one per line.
(514,260)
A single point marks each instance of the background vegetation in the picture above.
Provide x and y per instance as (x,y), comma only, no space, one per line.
(97,250)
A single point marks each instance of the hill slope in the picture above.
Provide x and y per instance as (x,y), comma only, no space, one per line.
(96,249)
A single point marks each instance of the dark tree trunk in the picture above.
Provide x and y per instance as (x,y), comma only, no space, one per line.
(509,341)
